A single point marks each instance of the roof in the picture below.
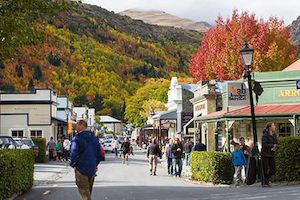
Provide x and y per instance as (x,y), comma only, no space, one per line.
(108,119)
(171,115)
(294,66)
(261,110)
(59,120)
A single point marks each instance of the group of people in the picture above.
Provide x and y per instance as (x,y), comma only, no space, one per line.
(242,153)
(59,150)
(175,152)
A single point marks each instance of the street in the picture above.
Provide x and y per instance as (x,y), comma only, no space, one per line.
(116,181)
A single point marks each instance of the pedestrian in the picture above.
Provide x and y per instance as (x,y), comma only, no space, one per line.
(246,151)
(125,150)
(85,157)
(177,151)
(152,154)
(187,150)
(51,147)
(116,147)
(169,156)
(131,150)
(59,150)
(199,146)
(66,147)
(269,146)
(238,161)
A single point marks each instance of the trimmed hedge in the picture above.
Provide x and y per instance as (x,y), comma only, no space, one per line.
(287,158)
(42,157)
(214,167)
(16,171)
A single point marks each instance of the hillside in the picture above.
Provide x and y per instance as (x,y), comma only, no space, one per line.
(97,57)
(164,19)
(295,31)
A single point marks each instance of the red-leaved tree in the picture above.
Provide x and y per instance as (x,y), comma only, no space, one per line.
(218,56)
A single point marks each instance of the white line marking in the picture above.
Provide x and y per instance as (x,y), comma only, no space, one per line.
(47,192)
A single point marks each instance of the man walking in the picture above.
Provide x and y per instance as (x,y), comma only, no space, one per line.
(153,154)
(169,156)
(187,150)
(52,151)
(85,157)
(125,150)
(177,150)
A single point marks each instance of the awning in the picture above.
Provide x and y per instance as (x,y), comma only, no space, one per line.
(59,120)
(260,111)
(186,126)
(166,115)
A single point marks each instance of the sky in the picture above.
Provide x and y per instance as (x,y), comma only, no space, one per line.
(208,10)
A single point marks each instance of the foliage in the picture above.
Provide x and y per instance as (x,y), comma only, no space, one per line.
(16,169)
(152,106)
(154,89)
(218,56)
(287,159)
(98,58)
(17,19)
(41,143)
(214,167)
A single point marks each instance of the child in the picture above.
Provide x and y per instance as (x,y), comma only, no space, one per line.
(238,161)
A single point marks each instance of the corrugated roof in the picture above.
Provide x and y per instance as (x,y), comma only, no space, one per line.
(261,110)
(109,119)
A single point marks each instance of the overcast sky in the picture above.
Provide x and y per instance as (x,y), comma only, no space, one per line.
(208,10)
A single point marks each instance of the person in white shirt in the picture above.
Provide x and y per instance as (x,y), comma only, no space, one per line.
(66,146)
(116,147)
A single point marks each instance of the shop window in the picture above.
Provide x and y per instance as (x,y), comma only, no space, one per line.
(36,133)
(17,133)
(220,140)
(284,129)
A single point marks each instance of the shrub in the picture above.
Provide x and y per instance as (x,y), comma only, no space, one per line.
(287,159)
(214,167)
(16,169)
(41,142)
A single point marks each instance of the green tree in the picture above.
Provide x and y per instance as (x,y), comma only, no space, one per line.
(152,106)
(154,89)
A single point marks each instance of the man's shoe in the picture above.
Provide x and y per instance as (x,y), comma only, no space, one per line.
(154,174)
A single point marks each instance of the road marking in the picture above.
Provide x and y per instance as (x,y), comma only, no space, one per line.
(47,192)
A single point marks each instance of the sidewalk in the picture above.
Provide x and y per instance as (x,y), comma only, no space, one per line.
(47,173)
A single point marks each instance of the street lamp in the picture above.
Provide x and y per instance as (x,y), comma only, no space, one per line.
(247,57)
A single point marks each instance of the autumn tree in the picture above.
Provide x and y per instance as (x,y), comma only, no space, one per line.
(136,106)
(152,106)
(218,56)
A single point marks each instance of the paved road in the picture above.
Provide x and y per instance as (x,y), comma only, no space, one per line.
(116,181)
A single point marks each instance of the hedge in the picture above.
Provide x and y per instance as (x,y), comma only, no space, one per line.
(41,142)
(16,171)
(287,158)
(214,167)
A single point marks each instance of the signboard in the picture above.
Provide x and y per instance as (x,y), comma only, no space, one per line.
(186,117)
(298,84)
(238,94)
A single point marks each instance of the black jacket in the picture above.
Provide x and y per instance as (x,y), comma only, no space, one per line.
(268,142)
(177,154)
(154,149)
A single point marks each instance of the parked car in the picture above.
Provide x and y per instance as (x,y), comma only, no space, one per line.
(7,142)
(108,145)
(27,142)
(102,152)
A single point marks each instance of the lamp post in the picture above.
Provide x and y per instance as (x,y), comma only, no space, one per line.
(247,57)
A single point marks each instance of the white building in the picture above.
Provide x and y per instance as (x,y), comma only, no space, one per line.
(29,114)
(178,102)
(81,112)
(91,121)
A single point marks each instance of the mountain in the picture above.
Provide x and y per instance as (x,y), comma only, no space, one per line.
(295,31)
(164,19)
(98,58)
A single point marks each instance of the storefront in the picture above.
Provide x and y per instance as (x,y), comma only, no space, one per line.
(277,99)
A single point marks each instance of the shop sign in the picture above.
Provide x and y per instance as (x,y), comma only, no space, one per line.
(200,107)
(237,94)
(289,93)
(186,117)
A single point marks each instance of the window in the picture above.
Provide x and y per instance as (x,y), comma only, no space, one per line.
(284,129)
(36,133)
(17,133)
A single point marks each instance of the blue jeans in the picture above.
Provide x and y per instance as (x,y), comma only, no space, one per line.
(177,166)
(170,166)
(187,159)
